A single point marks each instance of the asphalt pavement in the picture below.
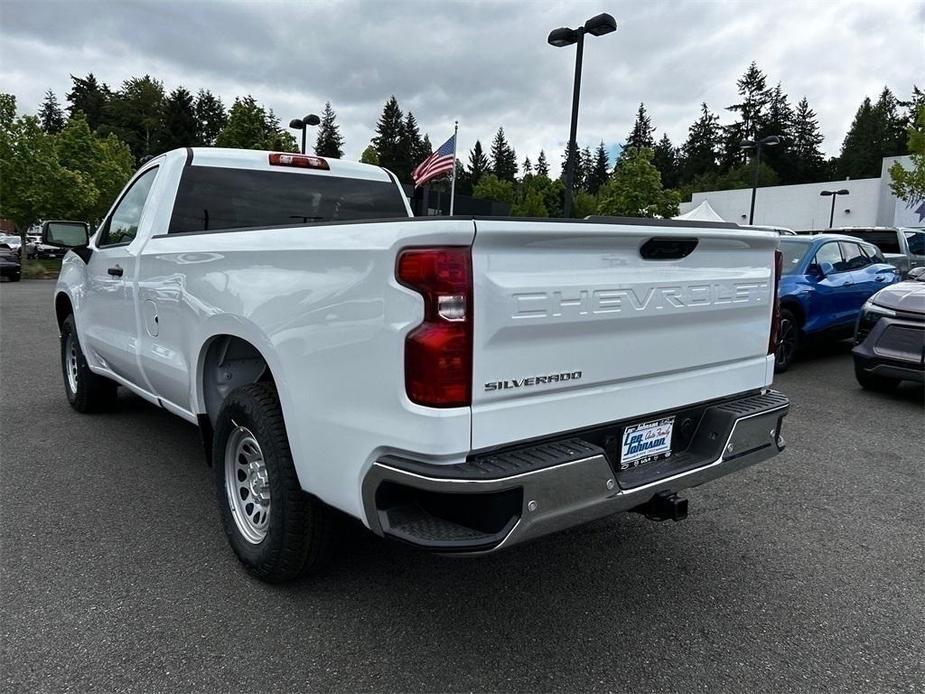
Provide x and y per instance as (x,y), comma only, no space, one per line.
(801,574)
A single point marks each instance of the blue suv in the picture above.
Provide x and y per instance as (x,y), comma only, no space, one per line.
(825,281)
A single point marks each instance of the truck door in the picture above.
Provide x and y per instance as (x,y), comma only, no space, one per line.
(109,325)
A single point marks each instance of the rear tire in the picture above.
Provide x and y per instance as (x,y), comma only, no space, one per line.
(277,530)
(86,391)
(788,343)
(873,382)
(15,278)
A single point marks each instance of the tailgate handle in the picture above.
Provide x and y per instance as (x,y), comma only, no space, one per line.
(667,248)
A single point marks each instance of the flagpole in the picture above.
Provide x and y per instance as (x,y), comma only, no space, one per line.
(453,184)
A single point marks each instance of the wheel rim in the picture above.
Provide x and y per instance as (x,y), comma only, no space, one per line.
(787,344)
(70,362)
(247,485)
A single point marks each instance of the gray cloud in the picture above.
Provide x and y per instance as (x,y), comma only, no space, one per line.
(485,63)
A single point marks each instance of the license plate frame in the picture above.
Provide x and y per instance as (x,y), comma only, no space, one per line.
(646,442)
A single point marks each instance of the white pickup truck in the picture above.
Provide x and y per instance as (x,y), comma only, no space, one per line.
(458,384)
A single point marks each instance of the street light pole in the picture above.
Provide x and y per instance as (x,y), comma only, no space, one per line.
(768,141)
(573,130)
(561,37)
(834,195)
(302,123)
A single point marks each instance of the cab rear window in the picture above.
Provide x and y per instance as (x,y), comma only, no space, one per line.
(211,198)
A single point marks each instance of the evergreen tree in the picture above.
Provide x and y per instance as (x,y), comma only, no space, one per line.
(370,155)
(179,128)
(478,163)
(527,167)
(412,143)
(89,97)
(598,172)
(51,116)
(542,166)
(912,105)
(578,180)
(587,163)
(641,134)
(665,159)
(329,143)
(503,158)
(778,120)
(808,162)
(135,114)
(211,117)
(891,126)
(753,90)
(389,140)
(871,137)
(700,152)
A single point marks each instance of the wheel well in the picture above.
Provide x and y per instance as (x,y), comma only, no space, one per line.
(63,308)
(797,311)
(230,362)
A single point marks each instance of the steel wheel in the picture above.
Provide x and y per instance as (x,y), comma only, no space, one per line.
(247,485)
(70,362)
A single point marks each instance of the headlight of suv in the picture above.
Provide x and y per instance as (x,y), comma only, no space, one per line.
(870,314)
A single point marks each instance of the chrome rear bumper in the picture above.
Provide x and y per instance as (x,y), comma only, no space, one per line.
(498,500)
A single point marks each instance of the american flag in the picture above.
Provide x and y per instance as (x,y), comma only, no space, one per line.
(441,162)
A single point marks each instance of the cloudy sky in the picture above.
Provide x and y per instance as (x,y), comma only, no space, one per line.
(484,63)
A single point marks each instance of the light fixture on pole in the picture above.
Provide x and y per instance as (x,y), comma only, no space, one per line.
(834,194)
(560,38)
(301,123)
(756,145)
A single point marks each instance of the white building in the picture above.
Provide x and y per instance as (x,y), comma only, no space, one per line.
(870,202)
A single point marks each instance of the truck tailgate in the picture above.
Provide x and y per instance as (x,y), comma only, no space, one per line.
(574,327)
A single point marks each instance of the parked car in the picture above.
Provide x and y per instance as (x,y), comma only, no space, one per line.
(11,240)
(460,385)
(902,247)
(826,279)
(890,335)
(9,263)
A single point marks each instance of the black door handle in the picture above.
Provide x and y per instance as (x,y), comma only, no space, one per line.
(115,271)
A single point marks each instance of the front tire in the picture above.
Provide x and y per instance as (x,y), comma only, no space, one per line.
(86,391)
(788,342)
(277,531)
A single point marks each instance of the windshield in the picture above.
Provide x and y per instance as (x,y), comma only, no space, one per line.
(211,198)
(793,252)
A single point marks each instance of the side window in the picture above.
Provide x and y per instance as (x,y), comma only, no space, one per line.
(855,259)
(873,253)
(916,240)
(122,225)
(829,253)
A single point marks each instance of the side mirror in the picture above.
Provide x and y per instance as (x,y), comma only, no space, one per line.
(815,271)
(65,234)
(825,269)
(916,272)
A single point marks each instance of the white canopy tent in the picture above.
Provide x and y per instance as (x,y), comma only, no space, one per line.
(702,213)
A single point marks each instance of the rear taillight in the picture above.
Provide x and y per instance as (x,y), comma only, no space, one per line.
(438,353)
(775,298)
(299,161)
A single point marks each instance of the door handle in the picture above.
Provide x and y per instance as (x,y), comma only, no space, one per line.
(115,271)
(847,284)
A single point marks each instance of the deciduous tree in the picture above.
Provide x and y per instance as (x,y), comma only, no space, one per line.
(635,189)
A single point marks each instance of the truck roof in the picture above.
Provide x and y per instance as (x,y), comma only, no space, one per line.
(258,160)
